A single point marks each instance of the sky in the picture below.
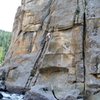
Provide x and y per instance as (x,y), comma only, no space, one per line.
(8,9)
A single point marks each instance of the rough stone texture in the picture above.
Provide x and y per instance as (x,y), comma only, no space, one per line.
(69,60)
(92,59)
(39,93)
(70,98)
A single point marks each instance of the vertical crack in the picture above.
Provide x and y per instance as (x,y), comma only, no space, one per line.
(36,79)
(54,95)
(84,46)
(38,60)
(53,92)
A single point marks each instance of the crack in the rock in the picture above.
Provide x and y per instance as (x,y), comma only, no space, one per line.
(98,91)
(37,62)
(49,13)
(54,95)
(84,47)
(36,79)
(69,28)
(42,51)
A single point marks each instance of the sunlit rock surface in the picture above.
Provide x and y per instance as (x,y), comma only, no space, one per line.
(68,59)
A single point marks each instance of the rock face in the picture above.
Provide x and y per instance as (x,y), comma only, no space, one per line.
(39,93)
(56,43)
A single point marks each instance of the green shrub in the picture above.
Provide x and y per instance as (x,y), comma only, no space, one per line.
(5,38)
(1,54)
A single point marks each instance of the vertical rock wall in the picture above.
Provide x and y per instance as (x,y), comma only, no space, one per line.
(57,42)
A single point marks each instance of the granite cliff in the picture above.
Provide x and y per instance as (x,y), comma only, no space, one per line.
(55,49)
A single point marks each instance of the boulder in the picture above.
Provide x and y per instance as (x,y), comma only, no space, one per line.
(39,93)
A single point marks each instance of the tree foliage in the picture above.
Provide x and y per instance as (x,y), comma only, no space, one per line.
(5,38)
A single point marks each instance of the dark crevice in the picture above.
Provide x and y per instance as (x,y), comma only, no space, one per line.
(54,95)
(53,69)
(36,79)
(69,28)
(83,49)
(38,61)
(49,13)
(19,32)
(98,91)
(25,34)
(7,73)
(42,51)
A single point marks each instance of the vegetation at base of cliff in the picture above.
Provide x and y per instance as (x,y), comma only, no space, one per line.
(5,38)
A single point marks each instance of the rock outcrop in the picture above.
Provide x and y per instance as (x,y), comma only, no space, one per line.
(56,43)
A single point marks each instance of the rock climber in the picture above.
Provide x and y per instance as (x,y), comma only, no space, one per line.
(48,36)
